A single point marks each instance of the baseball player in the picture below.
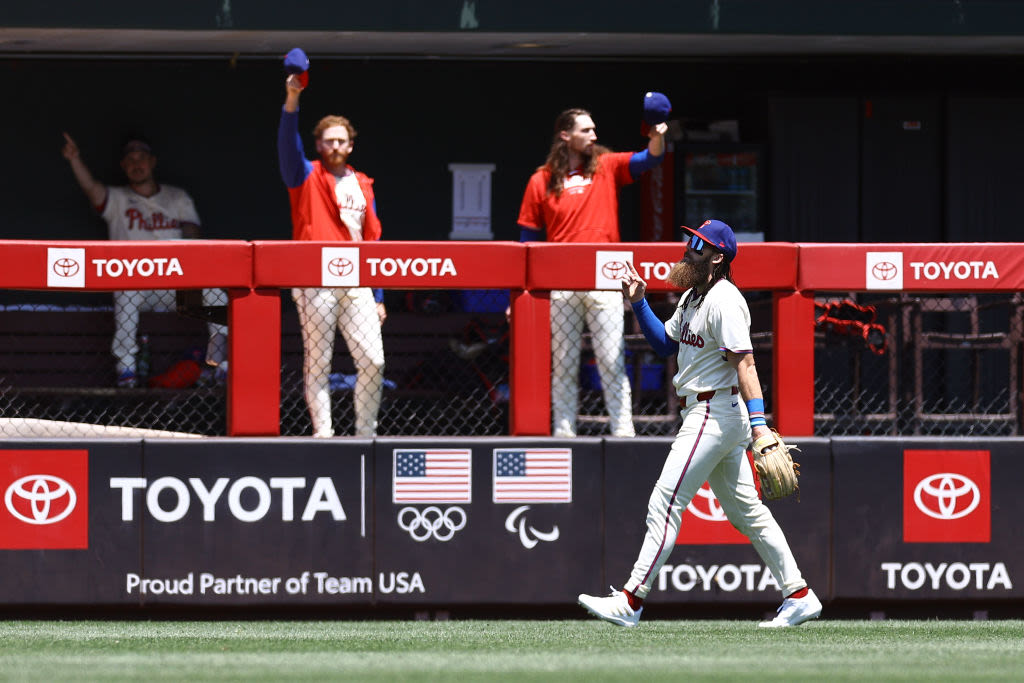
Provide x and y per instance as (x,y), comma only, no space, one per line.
(573,197)
(721,403)
(332,202)
(144,210)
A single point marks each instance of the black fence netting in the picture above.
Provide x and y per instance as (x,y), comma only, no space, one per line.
(652,397)
(885,364)
(96,365)
(440,365)
(917,364)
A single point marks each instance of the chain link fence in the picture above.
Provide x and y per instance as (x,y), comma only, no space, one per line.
(655,405)
(445,366)
(936,365)
(72,365)
(885,364)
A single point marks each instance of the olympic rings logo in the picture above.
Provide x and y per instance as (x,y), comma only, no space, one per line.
(431,522)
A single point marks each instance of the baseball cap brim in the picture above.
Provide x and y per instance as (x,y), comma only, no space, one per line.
(135,146)
(712,234)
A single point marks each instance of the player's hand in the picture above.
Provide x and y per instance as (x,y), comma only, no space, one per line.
(759,431)
(293,85)
(382,312)
(70,151)
(633,286)
(657,130)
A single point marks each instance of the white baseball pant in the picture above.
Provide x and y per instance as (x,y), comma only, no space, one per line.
(711,446)
(354,312)
(603,313)
(128,305)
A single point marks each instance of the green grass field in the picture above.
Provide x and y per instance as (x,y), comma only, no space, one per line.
(562,650)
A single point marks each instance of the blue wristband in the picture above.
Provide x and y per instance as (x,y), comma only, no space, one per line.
(755,408)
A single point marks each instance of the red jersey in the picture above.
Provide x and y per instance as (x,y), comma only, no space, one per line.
(587,210)
(315,212)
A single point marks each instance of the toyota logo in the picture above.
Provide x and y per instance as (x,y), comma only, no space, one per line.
(708,508)
(883,270)
(340,267)
(431,521)
(49,499)
(947,496)
(66,267)
(613,270)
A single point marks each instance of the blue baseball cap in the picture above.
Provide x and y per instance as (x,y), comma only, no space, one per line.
(718,235)
(656,108)
(296,61)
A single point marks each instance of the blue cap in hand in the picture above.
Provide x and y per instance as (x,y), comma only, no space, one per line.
(656,108)
(296,61)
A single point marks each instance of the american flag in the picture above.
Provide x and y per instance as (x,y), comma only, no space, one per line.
(532,475)
(432,476)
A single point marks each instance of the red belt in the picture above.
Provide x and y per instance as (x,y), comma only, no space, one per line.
(707,395)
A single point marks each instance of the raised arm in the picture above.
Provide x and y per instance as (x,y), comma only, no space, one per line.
(93,189)
(291,157)
(653,155)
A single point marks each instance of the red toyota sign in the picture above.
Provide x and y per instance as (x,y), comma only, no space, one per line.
(46,499)
(406,265)
(704,522)
(952,267)
(946,496)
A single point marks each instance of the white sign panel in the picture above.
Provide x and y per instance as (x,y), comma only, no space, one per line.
(339,266)
(610,267)
(884,270)
(65,267)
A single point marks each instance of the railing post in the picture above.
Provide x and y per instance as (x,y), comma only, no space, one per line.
(254,362)
(793,363)
(530,359)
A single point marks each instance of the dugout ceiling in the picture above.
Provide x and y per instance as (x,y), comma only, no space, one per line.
(529,28)
(889,121)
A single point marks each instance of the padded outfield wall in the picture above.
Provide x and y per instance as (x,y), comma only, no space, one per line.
(360,524)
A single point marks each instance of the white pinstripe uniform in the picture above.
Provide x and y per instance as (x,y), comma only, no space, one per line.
(602,312)
(353,311)
(131,216)
(712,441)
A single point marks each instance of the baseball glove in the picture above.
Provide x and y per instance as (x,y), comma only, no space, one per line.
(775,467)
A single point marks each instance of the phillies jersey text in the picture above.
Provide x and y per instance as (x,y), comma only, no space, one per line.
(721,323)
(130,216)
(588,208)
(351,203)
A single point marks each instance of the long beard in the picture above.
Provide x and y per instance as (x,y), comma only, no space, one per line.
(686,275)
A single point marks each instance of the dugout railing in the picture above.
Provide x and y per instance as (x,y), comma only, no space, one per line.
(820,361)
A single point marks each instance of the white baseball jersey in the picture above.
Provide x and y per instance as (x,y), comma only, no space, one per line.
(351,203)
(130,216)
(711,444)
(721,323)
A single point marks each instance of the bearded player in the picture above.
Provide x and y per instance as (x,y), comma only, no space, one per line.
(144,210)
(721,404)
(332,202)
(573,197)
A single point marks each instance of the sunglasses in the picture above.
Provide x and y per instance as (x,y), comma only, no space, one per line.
(697,244)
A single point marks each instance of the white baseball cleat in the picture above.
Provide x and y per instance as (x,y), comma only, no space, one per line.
(795,611)
(614,609)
